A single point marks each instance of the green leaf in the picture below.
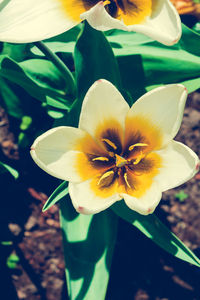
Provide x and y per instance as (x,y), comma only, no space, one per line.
(88,242)
(26,123)
(94,59)
(18,52)
(8,169)
(6,243)
(12,71)
(145,64)
(15,100)
(47,75)
(154,229)
(38,77)
(64,42)
(57,195)
(56,108)
(181,195)
(12,261)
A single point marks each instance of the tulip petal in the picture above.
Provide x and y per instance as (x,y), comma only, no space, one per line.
(24,21)
(85,201)
(103,103)
(179,164)
(55,152)
(164,25)
(163,108)
(99,19)
(145,204)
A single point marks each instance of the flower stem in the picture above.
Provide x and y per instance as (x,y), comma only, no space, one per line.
(56,61)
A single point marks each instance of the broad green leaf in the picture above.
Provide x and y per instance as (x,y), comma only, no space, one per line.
(154,229)
(56,108)
(17,102)
(88,242)
(64,42)
(10,99)
(46,75)
(94,60)
(4,168)
(18,52)
(57,195)
(39,77)
(12,71)
(145,63)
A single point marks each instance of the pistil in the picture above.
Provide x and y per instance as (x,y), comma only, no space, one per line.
(120,161)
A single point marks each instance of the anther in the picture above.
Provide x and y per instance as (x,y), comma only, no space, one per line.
(105,176)
(111,144)
(126,180)
(137,145)
(100,158)
(106,2)
(138,158)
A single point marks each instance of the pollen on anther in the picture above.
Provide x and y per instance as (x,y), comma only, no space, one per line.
(100,158)
(111,144)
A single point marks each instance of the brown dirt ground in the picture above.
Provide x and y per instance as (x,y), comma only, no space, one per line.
(140,269)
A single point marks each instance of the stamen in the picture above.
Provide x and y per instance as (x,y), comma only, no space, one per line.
(105,175)
(120,161)
(138,159)
(137,145)
(100,158)
(126,180)
(111,144)
(111,154)
(106,2)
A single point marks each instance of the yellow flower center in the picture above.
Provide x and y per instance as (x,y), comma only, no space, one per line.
(121,164)
(120,161)
(129,11)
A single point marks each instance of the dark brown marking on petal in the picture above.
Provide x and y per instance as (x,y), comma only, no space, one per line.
(107,181)
(100,164)
(112,135)
(134,138)
(124,178)
(121,4)
(143,167)
(89,3)
(112,9)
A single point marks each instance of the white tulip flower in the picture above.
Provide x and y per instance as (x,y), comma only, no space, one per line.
(120,152)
